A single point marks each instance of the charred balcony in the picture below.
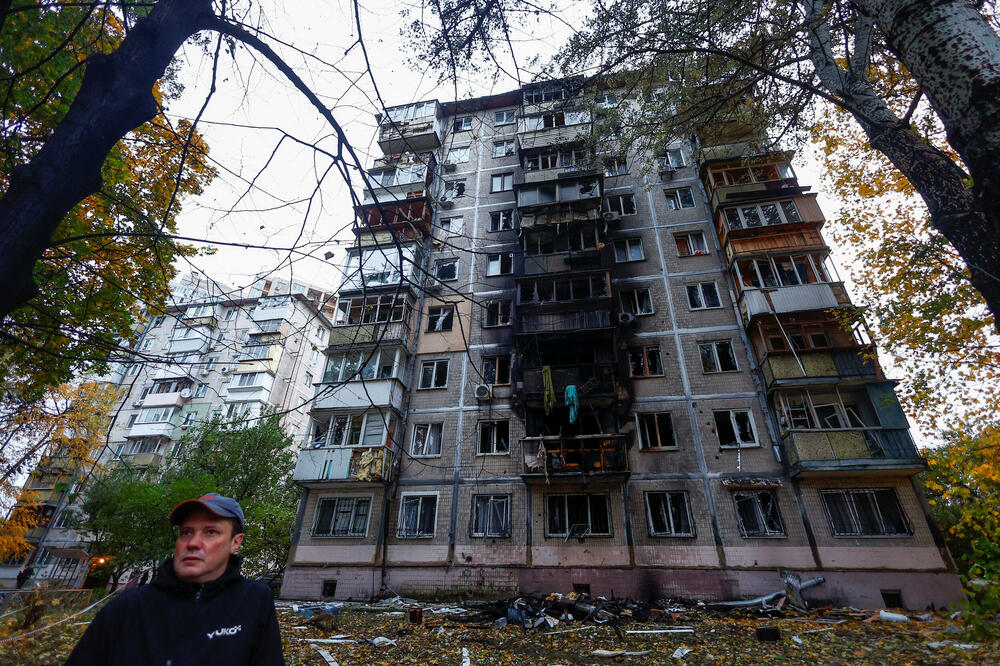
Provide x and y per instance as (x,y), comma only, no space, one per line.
(407,219)
(586,458)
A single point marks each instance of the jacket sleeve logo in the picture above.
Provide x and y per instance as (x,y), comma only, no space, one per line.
(225,631)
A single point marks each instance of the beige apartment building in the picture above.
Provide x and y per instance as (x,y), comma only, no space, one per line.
(555,368)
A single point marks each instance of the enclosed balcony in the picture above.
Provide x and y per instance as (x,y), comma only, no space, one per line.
(754,179)
(797,298)
(808,367)
(410,128)
(140,460)
(565,201)
(559,126)
(585,458)
(852,452)
(362,464)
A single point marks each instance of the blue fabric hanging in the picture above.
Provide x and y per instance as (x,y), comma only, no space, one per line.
(573,402)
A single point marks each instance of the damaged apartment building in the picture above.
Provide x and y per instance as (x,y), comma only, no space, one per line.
(557,368)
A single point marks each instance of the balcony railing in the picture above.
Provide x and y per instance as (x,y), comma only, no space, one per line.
(564,321)
(852,451)
(794,298)
(372,464)
(588,455)
(726,195)
(782,369)
(418,134)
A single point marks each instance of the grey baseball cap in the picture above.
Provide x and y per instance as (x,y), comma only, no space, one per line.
(224,507)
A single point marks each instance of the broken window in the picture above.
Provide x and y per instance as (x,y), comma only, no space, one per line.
(717,356)
(446,269)
(678,198)
(503,148)
(453,189)
(434,374)
(440,318)
(757,513)
(645,361)
(342,517)
(491,515)
(457,155)
(502,220)
(735,428)
(496,369)
(497,313)
(494,438)
(547,94)
(656,431)
(637,301)
(417,515)
(865,512)
(578,516)
(426,439)
(669,514)
(615,166)
(499,263)
(690,244)
(703,296)
(673,158)
(623,204)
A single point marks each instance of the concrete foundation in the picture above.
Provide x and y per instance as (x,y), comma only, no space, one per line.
(863,589)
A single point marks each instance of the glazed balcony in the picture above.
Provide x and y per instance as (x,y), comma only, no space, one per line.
(385,333)
(781,369)
(411,128)
(534,138)
(158,429)
(360,394)
(357,464)
(172,399)
(141,460)
(793,298)
(585,458)
(412,213)
(852,452)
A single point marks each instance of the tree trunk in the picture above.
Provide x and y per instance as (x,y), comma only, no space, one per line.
(116,96)
(954,55)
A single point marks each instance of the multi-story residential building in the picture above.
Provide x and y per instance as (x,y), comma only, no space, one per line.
(212,352)
(555,368)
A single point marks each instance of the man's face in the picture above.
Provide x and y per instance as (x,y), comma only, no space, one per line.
(204,544)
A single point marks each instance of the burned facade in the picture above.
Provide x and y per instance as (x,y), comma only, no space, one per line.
(554,366)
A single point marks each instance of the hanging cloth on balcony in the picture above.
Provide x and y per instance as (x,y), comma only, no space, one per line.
(548,390)
(573,402)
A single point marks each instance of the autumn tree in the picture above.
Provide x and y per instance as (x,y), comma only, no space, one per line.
(111,255)
(59,433)
(124,513)
(695,65)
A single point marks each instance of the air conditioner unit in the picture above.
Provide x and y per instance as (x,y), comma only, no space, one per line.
(186,393)
(450,168)
(626,318)
(484,392)
(137,403)
(610,216)
(224,369)
(667,172)
(446,203)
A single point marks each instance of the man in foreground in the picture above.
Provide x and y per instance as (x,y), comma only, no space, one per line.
(197,610)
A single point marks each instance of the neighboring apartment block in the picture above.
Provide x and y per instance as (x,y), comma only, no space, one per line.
(213,352)
(552,367)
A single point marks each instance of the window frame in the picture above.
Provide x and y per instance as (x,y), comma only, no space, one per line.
(490,498)
(504,148)
(767,533)
(509,117)
(848,495)
(668,496)
(440,318)
(506,182)
(440,263)
(629,244)
(429,427)
(461,124)
(740,444)
(337,499)
(717,357)
(501,216)
(435,361)
(458,154)
(621,207)
(494,438)
(499,259)
(496,372)
(615,166)
(630,301)
(674,200)
(700,286)
(690,239)
(421,495)
(645,350)
(656,416)
(568,533)
(500,305)
(761,217)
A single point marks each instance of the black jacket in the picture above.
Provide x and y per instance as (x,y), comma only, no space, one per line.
(229,620)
